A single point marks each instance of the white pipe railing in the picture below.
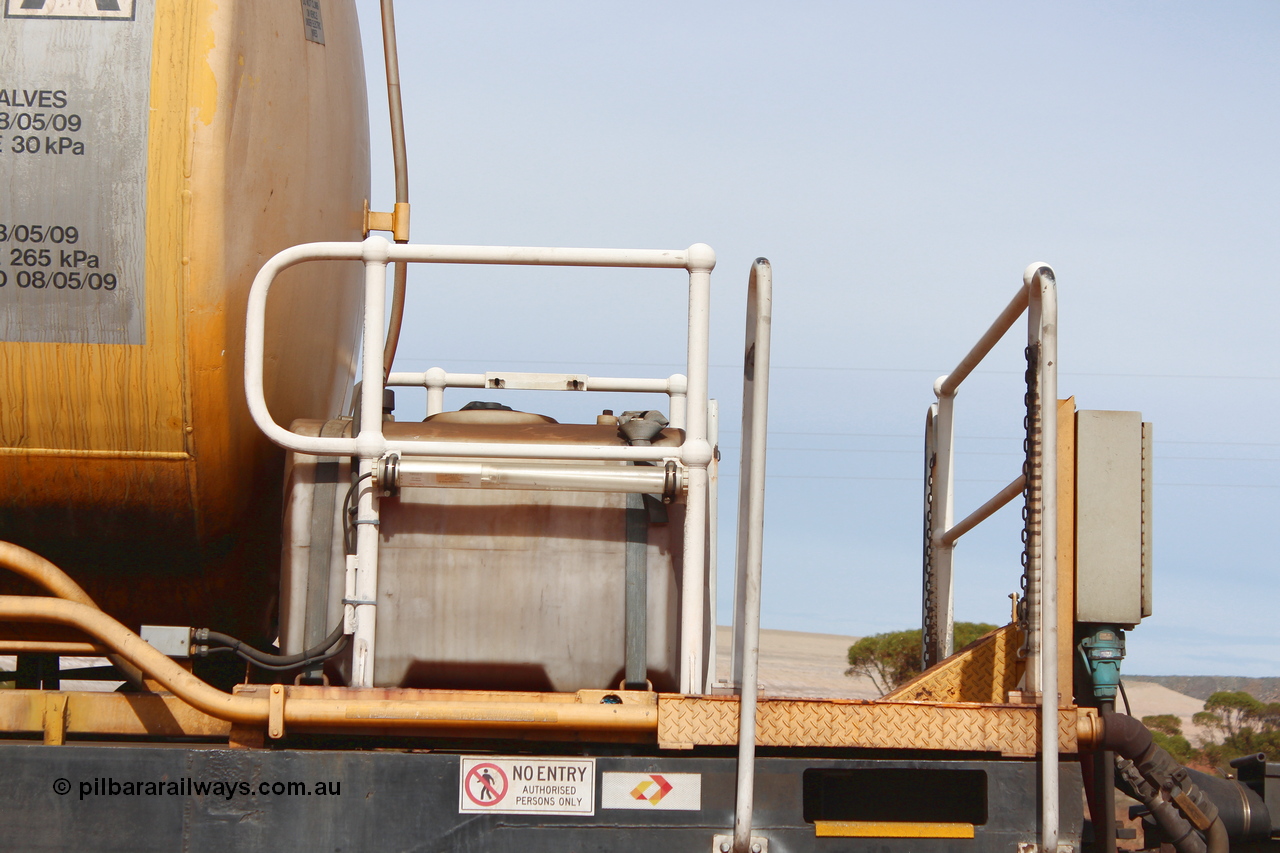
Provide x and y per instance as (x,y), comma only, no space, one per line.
(436,380)
(1038,298)
(370,445)
(451,474)
(755,422)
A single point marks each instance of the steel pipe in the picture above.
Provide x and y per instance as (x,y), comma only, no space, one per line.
(37,569)
(1041,286)
(52,648)
(755,424)
(985,511)
(435,473)
(326,713)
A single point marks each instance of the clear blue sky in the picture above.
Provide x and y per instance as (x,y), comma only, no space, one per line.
(899,163)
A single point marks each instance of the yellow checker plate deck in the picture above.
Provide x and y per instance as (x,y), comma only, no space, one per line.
(1014,730)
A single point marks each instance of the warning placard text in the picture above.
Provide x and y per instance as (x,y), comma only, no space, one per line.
(505,785)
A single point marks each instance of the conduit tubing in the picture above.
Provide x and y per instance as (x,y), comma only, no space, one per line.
(325,713)
(401,159)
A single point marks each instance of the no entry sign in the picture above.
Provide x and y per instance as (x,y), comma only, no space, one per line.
(517,785)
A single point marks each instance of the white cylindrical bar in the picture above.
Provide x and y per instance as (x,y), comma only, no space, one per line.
(691,589)
(542,256)
(678,388)
(369,441)
(943,510)
(696,453)
(755,421)
(713,526)
(1041,285)
(439,473)
(255,327)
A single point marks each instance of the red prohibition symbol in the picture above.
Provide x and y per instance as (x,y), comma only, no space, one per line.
(486,784)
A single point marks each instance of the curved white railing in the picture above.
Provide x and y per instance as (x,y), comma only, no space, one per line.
(370,445)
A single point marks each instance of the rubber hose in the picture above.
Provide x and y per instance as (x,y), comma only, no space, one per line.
(246,650)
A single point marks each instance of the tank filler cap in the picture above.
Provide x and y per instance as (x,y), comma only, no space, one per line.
(482,412)
(641,428)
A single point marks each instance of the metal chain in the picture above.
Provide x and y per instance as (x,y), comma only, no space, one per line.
(1031,492)
(929,621)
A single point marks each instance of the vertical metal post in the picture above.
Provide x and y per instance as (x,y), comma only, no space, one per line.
(636,595)
(696,452)
(755,420)
(678,401)
(713,538)
(1043,304)
(435,379)
(370,443)
(943,510)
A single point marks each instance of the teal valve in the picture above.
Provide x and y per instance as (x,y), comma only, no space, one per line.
(1103,651)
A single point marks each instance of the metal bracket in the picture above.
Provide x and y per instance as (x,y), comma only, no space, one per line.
(275,712)
(55,719)
(724,844)
(397,222)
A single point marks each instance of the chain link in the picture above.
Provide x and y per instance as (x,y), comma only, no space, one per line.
(929,622)
(1031,492)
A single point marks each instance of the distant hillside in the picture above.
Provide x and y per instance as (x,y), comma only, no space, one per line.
(1202,686)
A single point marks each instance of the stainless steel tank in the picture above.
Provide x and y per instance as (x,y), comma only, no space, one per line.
(478,589)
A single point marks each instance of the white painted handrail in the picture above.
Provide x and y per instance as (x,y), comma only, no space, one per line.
(436,379)
(1038,298)
(755,423)
(370,445)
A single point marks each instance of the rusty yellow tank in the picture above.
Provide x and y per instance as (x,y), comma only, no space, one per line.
(152,157)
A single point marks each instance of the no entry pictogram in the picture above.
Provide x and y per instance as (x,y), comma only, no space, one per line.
(486,784)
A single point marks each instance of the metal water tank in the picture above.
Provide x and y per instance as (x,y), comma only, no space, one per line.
(485,589)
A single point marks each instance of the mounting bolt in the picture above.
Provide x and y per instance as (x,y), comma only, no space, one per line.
(755,847)
(725,846)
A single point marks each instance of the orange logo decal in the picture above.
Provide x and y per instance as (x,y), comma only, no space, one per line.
(652,789)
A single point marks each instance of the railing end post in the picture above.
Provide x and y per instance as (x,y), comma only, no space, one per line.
(1037,268)
(700,258)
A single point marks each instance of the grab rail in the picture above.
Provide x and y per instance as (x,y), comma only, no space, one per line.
(371,446)
(746,622)
(436,379)
(1038,482)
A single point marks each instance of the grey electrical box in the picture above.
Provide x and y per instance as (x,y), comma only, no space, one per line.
(170,640)
(1113,517)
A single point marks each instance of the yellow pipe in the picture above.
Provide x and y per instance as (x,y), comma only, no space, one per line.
(37,569)
(131,647)
(324,713)
(319,713)
(52,647)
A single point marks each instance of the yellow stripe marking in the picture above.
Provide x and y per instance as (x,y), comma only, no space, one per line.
(890,829)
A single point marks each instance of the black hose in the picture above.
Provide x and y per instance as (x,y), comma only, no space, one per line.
(334,652)
(1125,735)
(270,661)
(1234,810)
